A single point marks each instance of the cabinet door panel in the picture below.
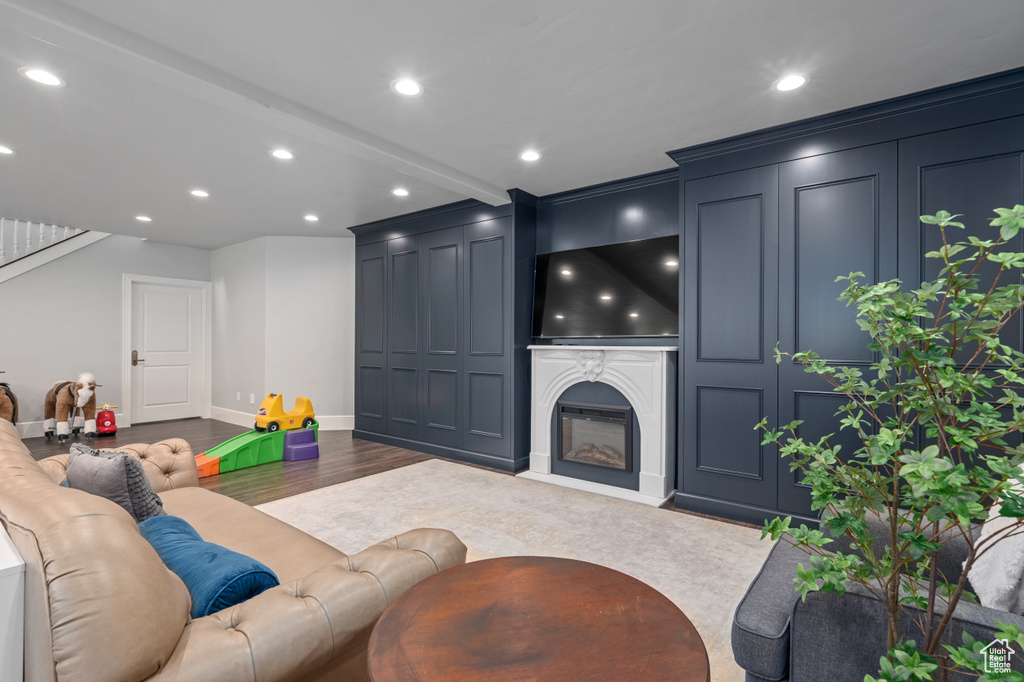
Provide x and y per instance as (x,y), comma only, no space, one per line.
(370,392)
(722,446)
(371,316)
(405,302)
(730,256)
(730,289)
(486,295)
(405,394)
(487,409)
(442,290)
(487,404)
(837,215)
(442,294)
(442,393)
(969,171)
(404,322)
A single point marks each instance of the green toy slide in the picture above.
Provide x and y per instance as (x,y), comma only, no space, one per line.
(250,448)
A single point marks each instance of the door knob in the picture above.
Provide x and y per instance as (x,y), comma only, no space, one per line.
(135,358)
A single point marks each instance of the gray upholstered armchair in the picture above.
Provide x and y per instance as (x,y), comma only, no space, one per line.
(839,638)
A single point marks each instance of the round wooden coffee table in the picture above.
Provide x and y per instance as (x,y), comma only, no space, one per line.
(534,618)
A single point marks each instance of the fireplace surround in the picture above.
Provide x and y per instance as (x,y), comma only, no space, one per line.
(645,376)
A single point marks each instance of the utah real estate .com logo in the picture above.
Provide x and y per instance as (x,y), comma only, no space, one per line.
(997,656)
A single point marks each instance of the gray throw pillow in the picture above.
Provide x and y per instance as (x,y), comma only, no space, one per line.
(116,476)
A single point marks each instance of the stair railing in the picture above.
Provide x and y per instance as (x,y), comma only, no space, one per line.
(21,238)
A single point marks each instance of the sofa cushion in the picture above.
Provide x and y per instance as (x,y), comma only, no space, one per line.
(116,476)
(216,577)
(761,625)
(289,552)
(168,463)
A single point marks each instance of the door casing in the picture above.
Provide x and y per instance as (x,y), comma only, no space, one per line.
(126,339)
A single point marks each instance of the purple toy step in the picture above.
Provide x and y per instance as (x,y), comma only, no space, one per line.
(295,453)
(300,437)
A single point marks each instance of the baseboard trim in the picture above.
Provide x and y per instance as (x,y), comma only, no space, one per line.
(490,461)
(35,429)
(737,511)
(340,422)
(232,416)
(330,422)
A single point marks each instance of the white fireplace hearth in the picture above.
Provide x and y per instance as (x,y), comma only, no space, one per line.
(645,375)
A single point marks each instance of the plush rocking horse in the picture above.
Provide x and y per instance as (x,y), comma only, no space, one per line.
(8,403)
(63,399)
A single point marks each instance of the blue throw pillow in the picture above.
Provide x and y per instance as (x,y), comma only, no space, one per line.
(215,576)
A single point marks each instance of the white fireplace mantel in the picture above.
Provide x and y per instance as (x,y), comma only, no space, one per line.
(644,374)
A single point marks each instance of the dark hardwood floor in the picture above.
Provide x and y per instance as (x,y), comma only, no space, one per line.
(342,458)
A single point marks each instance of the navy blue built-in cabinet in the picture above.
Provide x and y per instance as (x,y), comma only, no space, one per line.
(443,302)
(770,220)
(766,223)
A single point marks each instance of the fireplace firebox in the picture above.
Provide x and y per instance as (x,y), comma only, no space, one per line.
(596,435)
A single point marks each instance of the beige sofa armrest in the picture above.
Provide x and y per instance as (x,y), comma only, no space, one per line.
(402,561)
(297,628)
(168,464)
(281,634)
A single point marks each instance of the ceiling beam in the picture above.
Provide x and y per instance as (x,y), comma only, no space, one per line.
(93,38)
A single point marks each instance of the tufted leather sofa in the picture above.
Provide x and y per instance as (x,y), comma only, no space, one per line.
(100,606)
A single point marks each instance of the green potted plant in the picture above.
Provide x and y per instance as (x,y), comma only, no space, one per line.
(942,372)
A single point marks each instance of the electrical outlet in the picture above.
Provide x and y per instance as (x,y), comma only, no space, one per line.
(238,396)
(252,398)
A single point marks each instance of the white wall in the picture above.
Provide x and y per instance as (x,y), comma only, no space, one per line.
(284,319)
(64,317)
(239,320)
(311,321)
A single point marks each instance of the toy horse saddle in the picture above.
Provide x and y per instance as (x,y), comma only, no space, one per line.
(5,389)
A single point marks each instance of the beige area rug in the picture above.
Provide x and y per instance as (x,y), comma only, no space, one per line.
(703,566)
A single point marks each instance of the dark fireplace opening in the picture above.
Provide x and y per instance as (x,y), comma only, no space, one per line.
(597,435)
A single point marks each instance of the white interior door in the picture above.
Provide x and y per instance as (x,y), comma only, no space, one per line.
(168,339)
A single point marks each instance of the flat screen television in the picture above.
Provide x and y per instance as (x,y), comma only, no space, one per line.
(619,290)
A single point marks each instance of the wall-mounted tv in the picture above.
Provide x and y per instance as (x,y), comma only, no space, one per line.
(619,290)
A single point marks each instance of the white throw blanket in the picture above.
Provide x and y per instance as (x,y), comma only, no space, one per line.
(998,575)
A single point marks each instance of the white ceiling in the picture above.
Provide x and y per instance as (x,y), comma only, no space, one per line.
(163,97)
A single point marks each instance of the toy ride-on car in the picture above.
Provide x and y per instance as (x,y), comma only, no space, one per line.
(272,417)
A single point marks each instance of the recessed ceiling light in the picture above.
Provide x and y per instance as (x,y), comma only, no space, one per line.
(6,150)
(566,272)
(311,218)
(606,297)
(143,218)
(671,263)
(407,87)
(634,314)
(201,193)
(282,154)
(790,82)
(559,317)
(400,192)
(530,155)
(42,76)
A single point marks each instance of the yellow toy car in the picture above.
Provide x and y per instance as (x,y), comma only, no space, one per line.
(272,417)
